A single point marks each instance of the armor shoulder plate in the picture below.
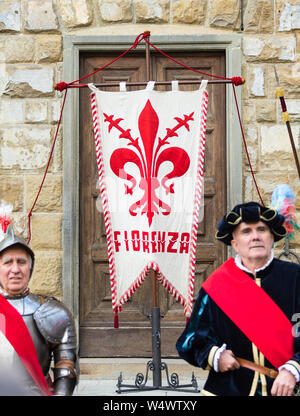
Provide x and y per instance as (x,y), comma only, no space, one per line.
(55,322)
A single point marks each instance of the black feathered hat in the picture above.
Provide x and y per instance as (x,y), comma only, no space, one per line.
(250,212)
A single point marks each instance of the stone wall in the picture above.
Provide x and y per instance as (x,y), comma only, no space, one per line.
(31,33)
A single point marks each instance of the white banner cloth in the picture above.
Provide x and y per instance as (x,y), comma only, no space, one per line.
(150,153)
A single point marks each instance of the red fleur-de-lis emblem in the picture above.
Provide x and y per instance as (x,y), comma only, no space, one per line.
(148,161)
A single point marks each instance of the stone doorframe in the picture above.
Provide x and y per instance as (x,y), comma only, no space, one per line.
(73,45)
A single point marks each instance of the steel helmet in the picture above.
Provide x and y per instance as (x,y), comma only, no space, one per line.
(11,240)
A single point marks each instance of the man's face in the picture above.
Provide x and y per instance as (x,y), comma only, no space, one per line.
(253,241)
(15,266)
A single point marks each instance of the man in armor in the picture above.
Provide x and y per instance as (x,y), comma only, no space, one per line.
(49,330)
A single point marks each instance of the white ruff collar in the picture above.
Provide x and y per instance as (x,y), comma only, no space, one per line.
(238,262)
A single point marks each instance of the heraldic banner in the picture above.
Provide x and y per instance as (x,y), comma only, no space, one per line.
(150,152)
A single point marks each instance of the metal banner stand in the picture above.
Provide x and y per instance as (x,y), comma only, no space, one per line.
(156,365)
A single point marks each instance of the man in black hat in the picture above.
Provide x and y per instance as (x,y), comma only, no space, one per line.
(33,330)
(243,323)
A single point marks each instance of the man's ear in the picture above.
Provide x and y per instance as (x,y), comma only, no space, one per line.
(234,244)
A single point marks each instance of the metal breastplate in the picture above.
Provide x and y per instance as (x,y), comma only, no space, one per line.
(52,329)
(26,306)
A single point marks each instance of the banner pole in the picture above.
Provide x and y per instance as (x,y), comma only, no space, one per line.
(148,65)
(148,78)
(155,317)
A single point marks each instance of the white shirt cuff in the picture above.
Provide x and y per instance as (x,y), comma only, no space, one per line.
(217,357)
(292,369)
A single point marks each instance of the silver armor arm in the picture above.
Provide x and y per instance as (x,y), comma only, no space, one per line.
(55,322)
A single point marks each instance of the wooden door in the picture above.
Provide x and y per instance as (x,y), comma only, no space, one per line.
(97,336)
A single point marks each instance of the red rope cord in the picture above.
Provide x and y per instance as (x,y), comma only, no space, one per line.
(47,167)
(63,85)
(234,80)
(245,145)
(143,36)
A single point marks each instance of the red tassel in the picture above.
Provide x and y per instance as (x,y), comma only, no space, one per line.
(237,81)
(116,320)
(187,321)
(61,86)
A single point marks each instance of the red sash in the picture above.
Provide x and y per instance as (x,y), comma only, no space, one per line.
(253,311)
(16,332)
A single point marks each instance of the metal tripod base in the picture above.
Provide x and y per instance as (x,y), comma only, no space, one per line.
(157,367)
(173,384)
